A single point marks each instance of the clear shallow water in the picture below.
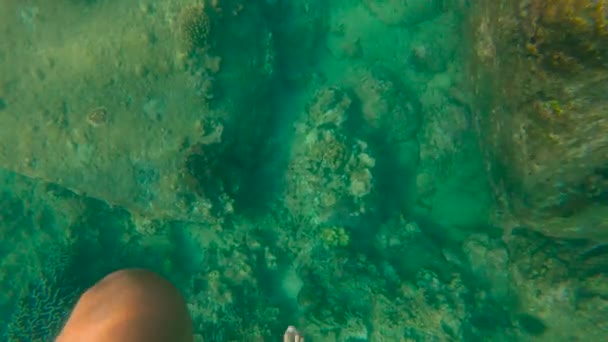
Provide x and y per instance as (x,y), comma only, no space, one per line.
(282,163)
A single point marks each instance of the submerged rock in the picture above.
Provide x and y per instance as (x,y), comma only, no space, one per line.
(539,74)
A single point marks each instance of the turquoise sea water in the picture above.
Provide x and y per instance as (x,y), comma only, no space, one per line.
(308,163)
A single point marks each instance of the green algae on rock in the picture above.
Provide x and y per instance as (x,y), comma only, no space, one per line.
(539,74)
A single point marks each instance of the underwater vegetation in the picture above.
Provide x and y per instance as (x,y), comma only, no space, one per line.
(364,170)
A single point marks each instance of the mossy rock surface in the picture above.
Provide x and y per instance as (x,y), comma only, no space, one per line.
(539,74)
(107,98)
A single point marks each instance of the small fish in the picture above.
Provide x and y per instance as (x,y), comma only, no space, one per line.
(594,260)
(594,251)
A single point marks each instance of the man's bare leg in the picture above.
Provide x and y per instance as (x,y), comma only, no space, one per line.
(133,305)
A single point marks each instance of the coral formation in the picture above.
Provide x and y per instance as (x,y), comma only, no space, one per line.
(334,237)
(330,171)
(195,27)
(41,312)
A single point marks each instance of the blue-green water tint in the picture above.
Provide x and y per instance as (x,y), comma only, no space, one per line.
(348,194)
